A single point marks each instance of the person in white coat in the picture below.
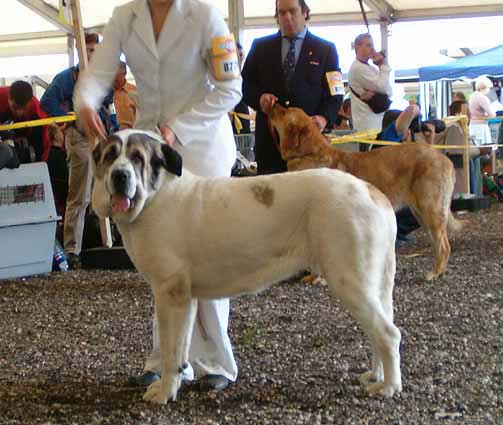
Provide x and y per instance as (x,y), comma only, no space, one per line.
(366,80)
(187,75)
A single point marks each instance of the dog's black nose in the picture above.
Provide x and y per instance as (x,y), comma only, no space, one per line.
(120,180)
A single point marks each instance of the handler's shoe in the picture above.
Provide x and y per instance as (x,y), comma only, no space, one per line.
(213,383)
(143,380)
(73,261)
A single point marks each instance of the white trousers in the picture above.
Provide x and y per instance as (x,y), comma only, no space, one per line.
(210,350)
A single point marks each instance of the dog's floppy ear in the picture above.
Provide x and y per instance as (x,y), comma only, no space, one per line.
(172,160)
(97,153)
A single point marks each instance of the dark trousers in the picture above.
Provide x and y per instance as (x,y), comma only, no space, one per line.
(406,222)
(8,157)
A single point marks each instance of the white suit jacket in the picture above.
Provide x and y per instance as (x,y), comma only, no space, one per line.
(173,78)
(363,77)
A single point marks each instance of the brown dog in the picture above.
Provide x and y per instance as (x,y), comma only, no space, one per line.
(409,174)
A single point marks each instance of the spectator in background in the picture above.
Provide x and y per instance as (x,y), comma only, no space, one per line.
(480,110)
(124,99)
(56,101)
(458,107)
(17,104)
(292,66)
(365,80)
(459,97)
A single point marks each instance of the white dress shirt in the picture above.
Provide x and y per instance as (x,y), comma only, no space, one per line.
(361,77)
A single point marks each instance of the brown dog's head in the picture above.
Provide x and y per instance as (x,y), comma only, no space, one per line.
(298,135)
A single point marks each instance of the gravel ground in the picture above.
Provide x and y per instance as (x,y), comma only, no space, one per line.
(68,342)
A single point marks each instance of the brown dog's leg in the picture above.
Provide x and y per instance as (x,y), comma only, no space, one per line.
(436,225)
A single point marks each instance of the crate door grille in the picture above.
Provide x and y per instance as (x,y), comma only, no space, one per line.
(11,195)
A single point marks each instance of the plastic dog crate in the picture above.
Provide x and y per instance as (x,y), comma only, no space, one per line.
(27,221)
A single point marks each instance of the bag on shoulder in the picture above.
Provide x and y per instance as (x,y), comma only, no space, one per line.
(379,103)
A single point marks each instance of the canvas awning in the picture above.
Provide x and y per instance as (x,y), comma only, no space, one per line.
(488,62)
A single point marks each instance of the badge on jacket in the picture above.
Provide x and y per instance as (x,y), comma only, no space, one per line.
(335,83)
(224,58)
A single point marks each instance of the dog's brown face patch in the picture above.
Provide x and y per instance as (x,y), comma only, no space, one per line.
(104,154)
(264,194)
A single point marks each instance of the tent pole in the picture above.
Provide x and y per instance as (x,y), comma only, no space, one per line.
(236,18)
(384,27)
(71,56)
(78,31)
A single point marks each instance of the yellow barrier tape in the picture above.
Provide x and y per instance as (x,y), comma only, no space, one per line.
(37,123)
(387,143)
(355,137)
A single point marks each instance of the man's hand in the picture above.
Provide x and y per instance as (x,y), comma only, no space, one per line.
(320,121)
(429,133)
(378,58)
(91,122)
(267,100)
(168,135)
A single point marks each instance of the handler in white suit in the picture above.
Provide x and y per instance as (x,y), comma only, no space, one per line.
(187,77)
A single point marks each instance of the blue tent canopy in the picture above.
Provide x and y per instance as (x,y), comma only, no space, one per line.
(488,62)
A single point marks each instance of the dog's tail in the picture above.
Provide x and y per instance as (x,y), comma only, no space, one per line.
(453,224)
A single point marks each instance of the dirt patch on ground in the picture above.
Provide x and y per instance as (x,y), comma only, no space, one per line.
(69,341)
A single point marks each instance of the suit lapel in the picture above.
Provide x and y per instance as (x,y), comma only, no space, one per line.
(305,55)
(142,25)
(174,26)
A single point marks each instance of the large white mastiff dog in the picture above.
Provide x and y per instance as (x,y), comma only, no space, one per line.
(194,237)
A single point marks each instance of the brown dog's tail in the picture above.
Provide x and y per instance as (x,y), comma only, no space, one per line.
(453,224)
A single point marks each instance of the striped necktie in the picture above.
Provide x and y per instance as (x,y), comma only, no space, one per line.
(289,62)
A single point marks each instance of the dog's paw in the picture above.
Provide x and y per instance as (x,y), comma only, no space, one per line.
(382,389)
(161,391)
(431,276)
(155,394)
(370,377)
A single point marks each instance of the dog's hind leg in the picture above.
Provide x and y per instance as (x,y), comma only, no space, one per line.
(367,308)
(174,309)
(435,222)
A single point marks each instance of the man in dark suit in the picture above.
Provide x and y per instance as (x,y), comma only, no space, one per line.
(293,67)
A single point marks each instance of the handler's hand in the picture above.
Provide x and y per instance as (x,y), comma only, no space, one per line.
(267,100)
(320,121)
(168,135)
(429,134)
(91,123)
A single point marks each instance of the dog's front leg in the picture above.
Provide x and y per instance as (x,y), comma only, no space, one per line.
(175,313)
